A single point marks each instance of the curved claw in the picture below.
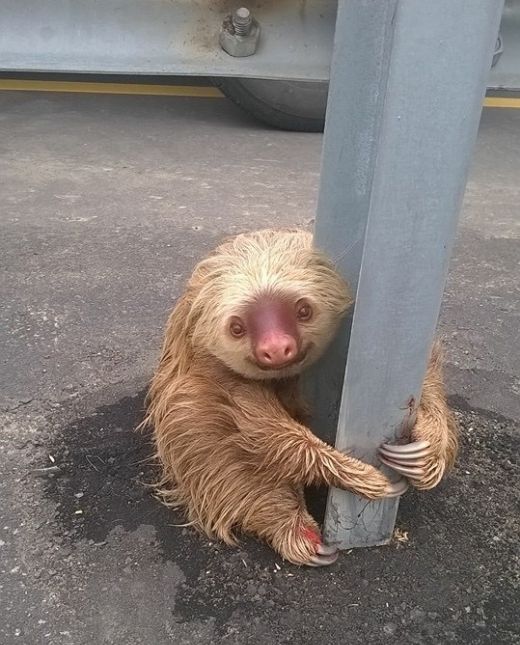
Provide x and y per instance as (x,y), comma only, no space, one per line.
(396,489)
(413,463)
(404,458)
(413,471)
(323,560)
(326,549)
(325,554)
(409,460)
(418,462)
(407,448)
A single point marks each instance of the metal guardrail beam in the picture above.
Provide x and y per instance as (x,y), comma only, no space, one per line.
(171,37)
(408,79)
(181,37)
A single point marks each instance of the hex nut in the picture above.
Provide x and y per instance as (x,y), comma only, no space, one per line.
(236,45)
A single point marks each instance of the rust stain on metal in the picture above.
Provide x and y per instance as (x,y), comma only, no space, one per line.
(201,34)
(228,6)
(408,423)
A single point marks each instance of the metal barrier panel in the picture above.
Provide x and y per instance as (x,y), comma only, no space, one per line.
(182,37)
(407,83)
(164,37)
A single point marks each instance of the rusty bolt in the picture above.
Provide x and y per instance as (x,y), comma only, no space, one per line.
(242,21)
(240,33)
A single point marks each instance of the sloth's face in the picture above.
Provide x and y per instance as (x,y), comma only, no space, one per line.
(275,336)
(268,308)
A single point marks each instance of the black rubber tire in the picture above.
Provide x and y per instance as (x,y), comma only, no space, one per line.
(287,105)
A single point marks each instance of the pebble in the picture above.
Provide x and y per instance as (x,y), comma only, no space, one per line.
(417,615)
(389,629)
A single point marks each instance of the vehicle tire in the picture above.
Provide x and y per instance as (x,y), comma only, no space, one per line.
(288,105)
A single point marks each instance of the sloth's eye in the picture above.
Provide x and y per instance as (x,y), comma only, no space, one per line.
(303,311)
(237,327)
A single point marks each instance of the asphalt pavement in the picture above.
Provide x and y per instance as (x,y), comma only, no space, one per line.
(107,202)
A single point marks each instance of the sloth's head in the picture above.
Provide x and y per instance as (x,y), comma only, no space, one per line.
(266,303)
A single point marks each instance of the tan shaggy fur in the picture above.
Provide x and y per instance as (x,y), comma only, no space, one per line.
(231,439)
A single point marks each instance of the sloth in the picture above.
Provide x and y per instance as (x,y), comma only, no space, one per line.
(229,425)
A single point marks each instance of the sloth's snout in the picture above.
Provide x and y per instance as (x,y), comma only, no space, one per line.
(276,350)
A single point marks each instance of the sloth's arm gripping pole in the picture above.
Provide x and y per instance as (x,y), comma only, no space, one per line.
(288,451)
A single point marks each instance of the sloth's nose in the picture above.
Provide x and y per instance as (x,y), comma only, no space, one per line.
(275,350)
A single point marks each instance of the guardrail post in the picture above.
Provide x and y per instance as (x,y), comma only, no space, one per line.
(407,83)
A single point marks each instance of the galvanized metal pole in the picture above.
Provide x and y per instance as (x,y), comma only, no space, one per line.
(407,83)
